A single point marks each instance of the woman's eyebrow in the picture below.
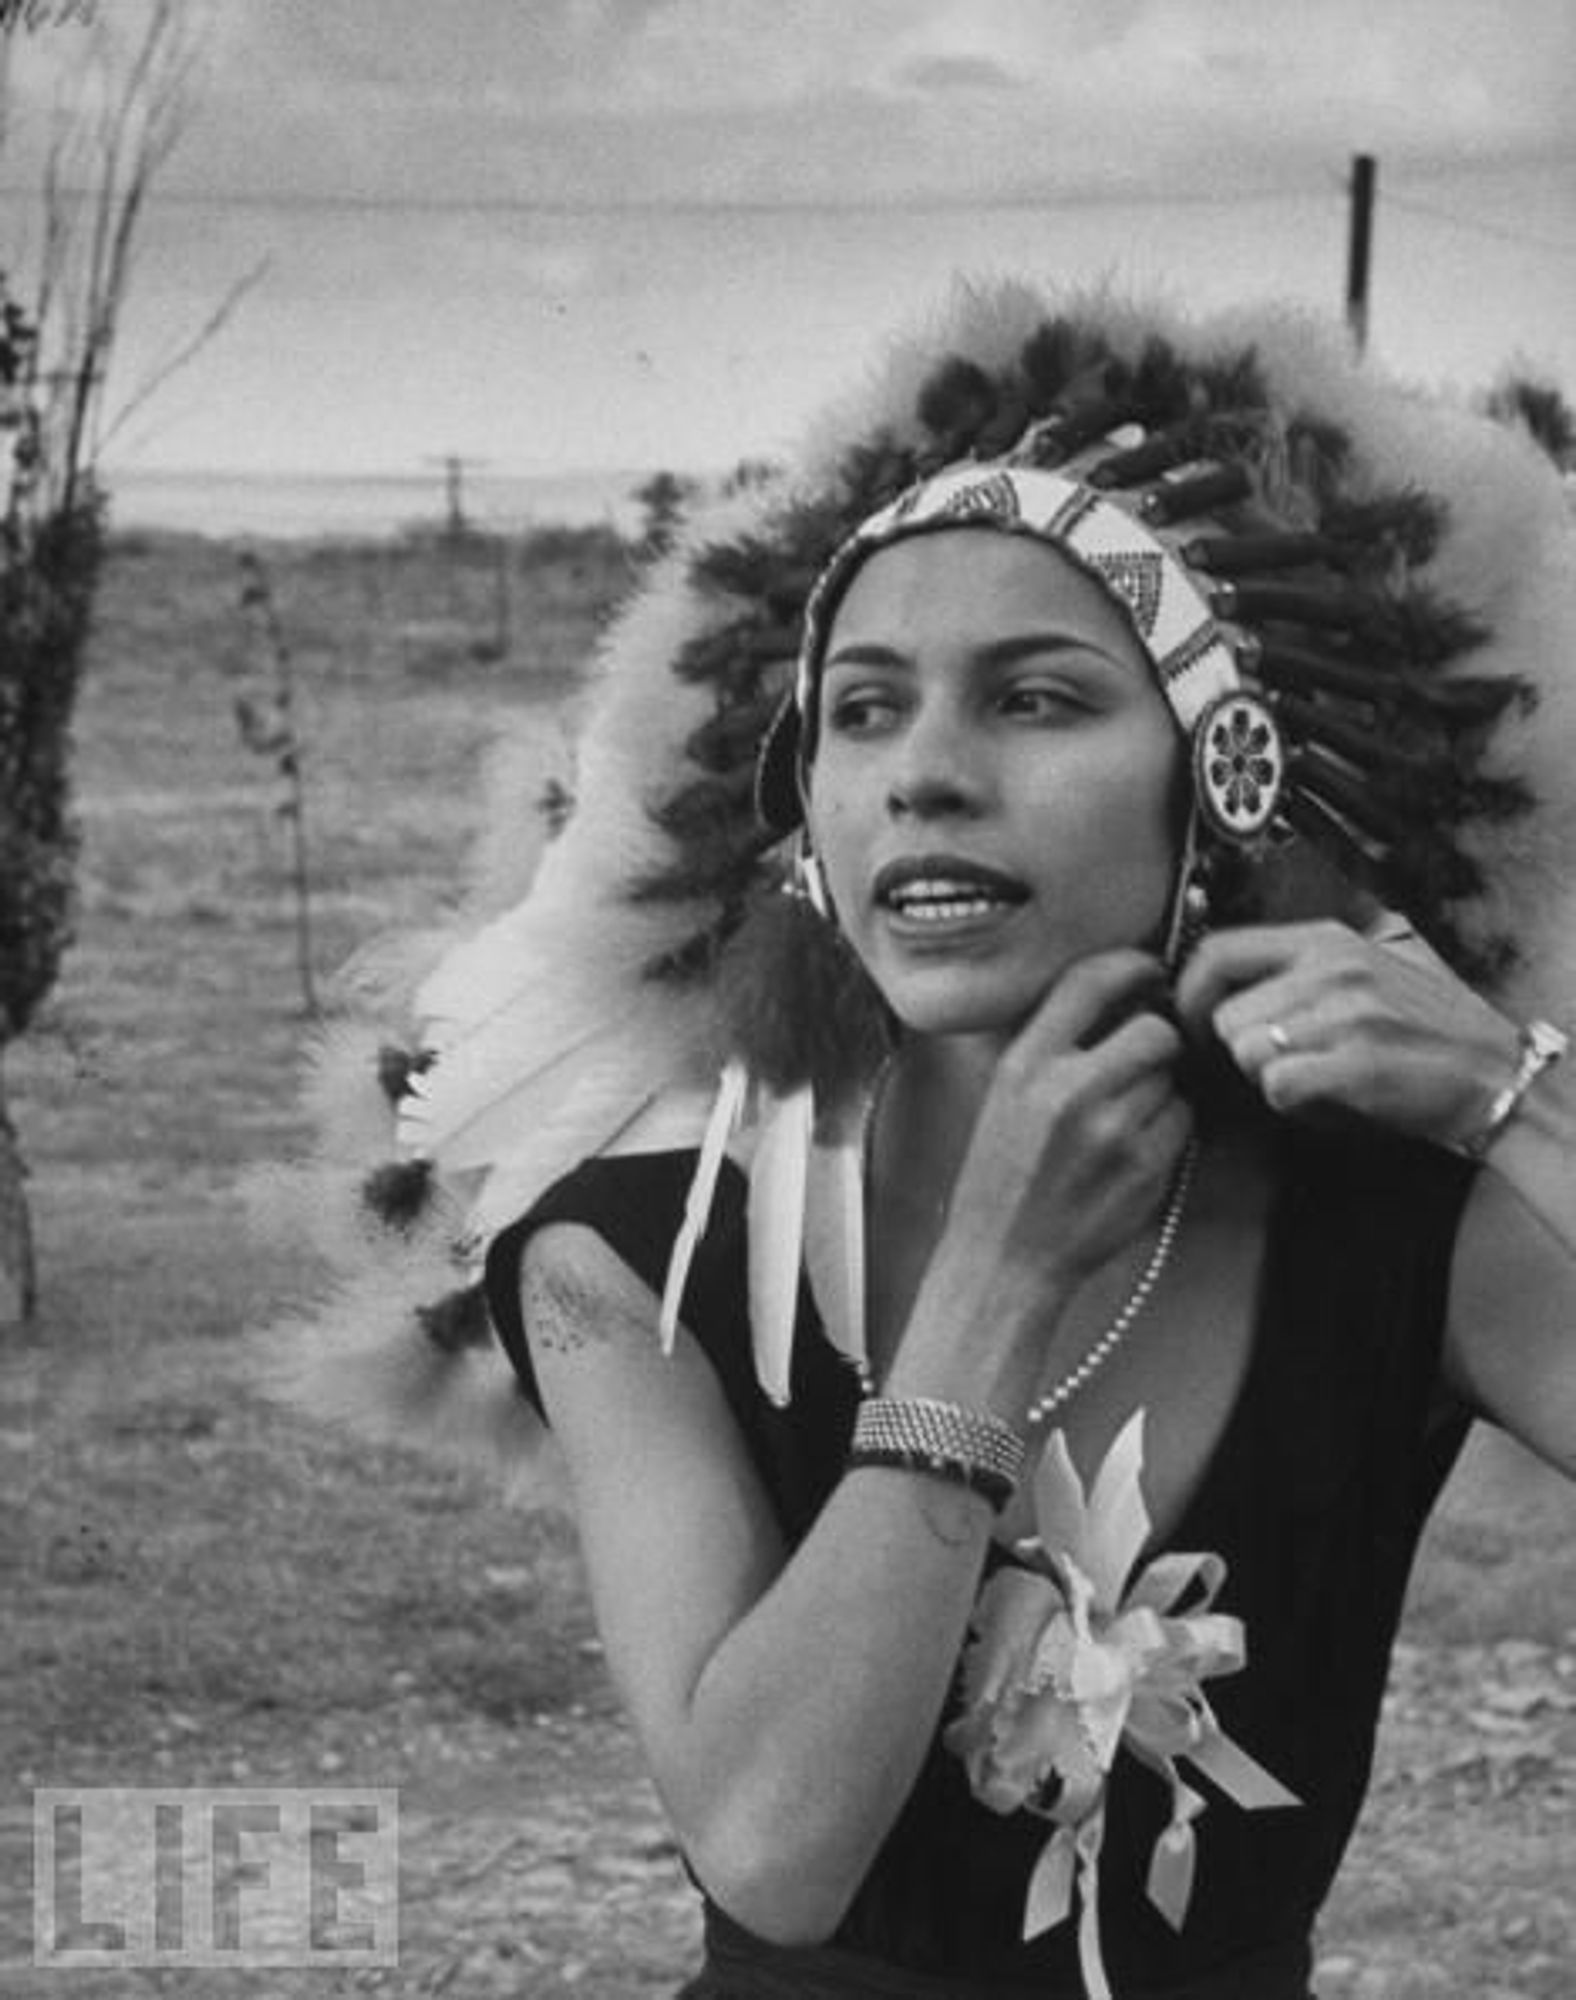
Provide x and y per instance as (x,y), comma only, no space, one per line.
(1003,652)
(865,653)
(1008,651)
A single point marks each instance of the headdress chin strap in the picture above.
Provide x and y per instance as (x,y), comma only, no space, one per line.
(1187,911)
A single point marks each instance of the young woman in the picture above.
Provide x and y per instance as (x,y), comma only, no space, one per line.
(1000,1425)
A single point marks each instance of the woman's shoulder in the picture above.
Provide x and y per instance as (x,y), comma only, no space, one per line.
(614,1180)
(633,1202)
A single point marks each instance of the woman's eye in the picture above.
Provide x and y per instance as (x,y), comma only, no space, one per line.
(858,714)
(1037,699)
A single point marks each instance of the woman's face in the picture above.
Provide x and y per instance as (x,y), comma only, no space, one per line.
(998,783)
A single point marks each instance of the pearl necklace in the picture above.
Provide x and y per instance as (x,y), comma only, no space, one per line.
(1052,1399)
(1061,1392)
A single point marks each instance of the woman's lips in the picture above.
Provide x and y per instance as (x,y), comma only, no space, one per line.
(936,893)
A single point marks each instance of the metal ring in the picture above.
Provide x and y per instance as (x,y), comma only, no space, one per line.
(1280,1039)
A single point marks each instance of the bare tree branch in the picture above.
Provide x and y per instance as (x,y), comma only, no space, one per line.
(186,352)
(119,116)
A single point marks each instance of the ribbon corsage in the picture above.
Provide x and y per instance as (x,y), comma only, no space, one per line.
(1075,1656)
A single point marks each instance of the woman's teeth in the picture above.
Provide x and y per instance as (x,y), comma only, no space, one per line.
(943,902)
(948,913)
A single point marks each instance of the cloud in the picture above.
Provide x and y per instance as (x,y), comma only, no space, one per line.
(960,72)
(498,93)
(611,101)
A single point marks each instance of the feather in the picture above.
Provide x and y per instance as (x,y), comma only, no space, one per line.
(457,1321)
(776,1236)
(1316,775)
(834,1241)
(1320,605)
(732,737)
(626,1119)
(574,935)
(667,1121)
(472,1104)
(342,1092)
(395,1068)
(381,1377)
(1246,555)
(1219,486)
(1362,744)
(720,1128)
(1351,851)
(398,1191)
(797,1003)
(1143,461)
(556,1057)
(540,1023)
(1286,666)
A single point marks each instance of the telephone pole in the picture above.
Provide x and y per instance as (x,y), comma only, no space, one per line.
(1365,174)
(454,465)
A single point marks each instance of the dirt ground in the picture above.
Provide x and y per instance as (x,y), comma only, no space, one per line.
(535,1862)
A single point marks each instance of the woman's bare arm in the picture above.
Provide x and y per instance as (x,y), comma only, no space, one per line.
(1511,1346)
(784,1706)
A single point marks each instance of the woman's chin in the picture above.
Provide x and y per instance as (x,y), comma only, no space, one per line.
(939,1013)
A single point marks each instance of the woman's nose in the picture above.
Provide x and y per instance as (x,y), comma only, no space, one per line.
(934,773)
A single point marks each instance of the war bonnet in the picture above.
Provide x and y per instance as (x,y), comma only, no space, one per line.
(1386,579)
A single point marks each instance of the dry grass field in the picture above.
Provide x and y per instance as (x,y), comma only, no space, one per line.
(198,1589)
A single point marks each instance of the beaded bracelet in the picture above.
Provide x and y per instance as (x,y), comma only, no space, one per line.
(944,1440)
(1541,1044)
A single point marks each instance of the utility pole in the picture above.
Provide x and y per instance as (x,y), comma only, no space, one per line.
(457,528)
(454,489)
(1365,173)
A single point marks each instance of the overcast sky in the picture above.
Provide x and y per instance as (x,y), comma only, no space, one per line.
(564,233)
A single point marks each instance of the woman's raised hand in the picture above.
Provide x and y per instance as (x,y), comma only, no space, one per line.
(1082,1126)
(1320,1018)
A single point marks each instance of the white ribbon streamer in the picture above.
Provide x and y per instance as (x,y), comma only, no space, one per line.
(727,1111)
(775,1228)
(834,1247)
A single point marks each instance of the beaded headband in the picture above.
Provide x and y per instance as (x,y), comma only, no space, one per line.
(1239,759)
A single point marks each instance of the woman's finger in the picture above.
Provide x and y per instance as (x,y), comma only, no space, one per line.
(1142,1097)
(1090,997)
(1093,1102)
(1170,1129)
(1306,1079)
(1285,998)
(1231,960)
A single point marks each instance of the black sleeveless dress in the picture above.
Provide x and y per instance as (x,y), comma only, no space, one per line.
(1316,1496)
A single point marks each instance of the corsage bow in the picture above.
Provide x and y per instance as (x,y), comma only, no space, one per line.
(1071,1659)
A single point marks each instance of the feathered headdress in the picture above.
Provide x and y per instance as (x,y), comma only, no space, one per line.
(1393,578)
